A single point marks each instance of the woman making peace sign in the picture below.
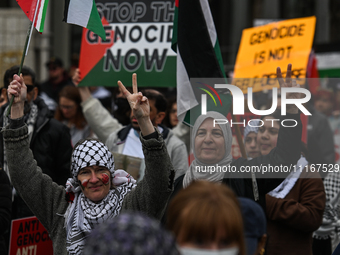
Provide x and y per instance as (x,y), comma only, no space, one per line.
(96,192)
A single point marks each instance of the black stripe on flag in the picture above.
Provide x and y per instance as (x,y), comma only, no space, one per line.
(194,43)
(67,3)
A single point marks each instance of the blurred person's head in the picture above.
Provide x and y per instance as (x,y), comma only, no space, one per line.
(268,133)
(29,79)
(56,69)
(250,139)
(206,217)
(158,106)
(69,107)
(130,234)
(171,119)
(255,222)
(324,102)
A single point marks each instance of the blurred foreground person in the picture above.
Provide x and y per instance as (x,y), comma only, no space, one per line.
(130,234)
(254,220)
(206,219)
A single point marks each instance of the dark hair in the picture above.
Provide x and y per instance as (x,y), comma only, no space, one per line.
(71,93)
(171,101)
(160,100)
(8,77)
(276,114)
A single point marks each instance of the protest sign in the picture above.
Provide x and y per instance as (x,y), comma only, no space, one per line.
(132,165)
(29,236)
(138,39)
(264,48)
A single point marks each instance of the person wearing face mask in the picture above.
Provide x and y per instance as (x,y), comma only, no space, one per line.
(50,140)
(206,219)
(295,207)
(131,233)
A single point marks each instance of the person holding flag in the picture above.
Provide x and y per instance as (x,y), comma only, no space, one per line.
(96,192)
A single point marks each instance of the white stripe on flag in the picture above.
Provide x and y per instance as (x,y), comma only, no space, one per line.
(40,14)
(209,21)
(185,95)
(79,12)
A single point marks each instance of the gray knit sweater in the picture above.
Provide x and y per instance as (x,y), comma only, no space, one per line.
(47,200)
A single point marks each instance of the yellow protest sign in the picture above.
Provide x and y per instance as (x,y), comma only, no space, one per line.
(264,48)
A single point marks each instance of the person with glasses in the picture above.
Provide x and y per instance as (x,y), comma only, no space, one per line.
(70,113)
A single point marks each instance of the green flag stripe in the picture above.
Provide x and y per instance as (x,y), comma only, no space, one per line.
(44,10)
(94,24)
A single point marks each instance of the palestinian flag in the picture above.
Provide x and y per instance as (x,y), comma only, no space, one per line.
(198,55)
(29,7)
(84,13)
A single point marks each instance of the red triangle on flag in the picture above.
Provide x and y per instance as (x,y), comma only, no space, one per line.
(91,53)
(28,6)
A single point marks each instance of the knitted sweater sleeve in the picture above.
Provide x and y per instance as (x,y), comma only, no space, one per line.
(44,197)
(152,193)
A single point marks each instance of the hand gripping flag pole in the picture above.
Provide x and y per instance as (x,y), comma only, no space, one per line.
(24,53)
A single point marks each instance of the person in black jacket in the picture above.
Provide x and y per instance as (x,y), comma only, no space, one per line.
(50,139)
(5,210)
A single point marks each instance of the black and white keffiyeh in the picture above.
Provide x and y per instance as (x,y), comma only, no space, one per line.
(330,226)
(83,214)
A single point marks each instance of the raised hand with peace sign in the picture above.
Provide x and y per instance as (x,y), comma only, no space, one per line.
(289,82)
(139,105)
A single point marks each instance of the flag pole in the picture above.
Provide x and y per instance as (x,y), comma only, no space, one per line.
(24,53)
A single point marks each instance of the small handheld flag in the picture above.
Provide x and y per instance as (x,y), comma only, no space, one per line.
(84,13)
(29,7)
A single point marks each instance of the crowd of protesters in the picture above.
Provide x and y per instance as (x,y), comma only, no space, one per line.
(56,152)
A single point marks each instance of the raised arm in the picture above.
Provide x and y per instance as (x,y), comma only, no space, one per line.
(44,197)
(152,193)
(139,105)
(97,116)
(288,149)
